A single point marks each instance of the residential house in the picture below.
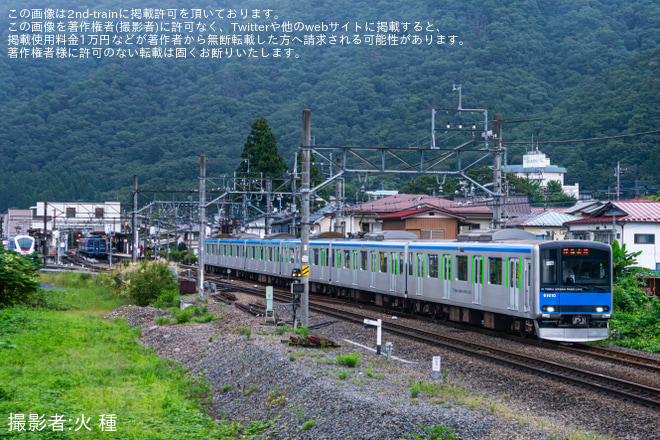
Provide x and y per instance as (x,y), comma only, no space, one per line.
(362,218)
(427,223)
(546,225)
(635,223)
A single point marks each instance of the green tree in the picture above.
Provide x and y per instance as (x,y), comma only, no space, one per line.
(624,262)
(556,195)
(18,282)
(260,149)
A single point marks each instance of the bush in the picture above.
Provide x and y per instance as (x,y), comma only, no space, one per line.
(415,388)
(350,360)
(18,282)
(640,330)
(145,282)
(628,295)
(183,316)
(245,331)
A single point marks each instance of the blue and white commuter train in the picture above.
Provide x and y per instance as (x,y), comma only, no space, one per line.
(505,280)
(23,244)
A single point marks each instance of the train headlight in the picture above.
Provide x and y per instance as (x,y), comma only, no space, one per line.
(599,309)
(549,309)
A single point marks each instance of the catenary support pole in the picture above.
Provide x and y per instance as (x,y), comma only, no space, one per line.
(136,244)
(304,237)
(497,174)
(202,223)
(269,206)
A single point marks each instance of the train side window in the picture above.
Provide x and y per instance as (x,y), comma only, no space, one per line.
(383,262)
(462,268)
(495,271)
(315,260)
(411,265)
(400,263)
(347,259)
(364,260)
(421,265)
(433,265)
(394,266)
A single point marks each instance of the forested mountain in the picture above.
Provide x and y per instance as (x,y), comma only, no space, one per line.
(75,129)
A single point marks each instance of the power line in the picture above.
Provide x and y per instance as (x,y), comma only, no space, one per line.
(586,140)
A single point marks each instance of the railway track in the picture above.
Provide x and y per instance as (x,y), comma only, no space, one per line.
(580,377)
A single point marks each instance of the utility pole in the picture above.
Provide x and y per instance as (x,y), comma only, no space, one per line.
(202,223)
(617,174)
(497,174)
(293,193)
(45,240)
(134,219)
(304,238)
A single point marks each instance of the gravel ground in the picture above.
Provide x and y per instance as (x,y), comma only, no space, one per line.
(260,378)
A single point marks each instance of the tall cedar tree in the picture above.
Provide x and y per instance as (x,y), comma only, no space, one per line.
(260,149)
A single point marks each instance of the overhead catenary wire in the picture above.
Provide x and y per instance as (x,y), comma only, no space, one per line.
(568,141)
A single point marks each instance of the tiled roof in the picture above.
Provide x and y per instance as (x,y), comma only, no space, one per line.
(400,202)
(473,210)
(513,206)
(636,211)
(547,218)
(639,211)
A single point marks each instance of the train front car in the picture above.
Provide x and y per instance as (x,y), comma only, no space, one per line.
(23,244)
(575,291)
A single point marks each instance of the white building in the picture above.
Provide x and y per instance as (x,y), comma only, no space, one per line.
(73,216)
(536,166)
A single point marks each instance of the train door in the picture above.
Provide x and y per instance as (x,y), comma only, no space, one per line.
(355,267)
(420,272)
(477,278)
(514,282)
(394,270)
(446,276)
(273,259)
(325,273)
(527,285)
(373,268)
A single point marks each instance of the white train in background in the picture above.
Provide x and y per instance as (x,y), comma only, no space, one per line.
(23,244)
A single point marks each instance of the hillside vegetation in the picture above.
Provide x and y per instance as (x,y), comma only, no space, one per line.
(79,129)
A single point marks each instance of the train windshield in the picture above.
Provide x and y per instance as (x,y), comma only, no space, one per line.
(24,244)
(575,267)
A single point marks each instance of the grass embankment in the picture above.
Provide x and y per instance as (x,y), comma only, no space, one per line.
(75,364)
